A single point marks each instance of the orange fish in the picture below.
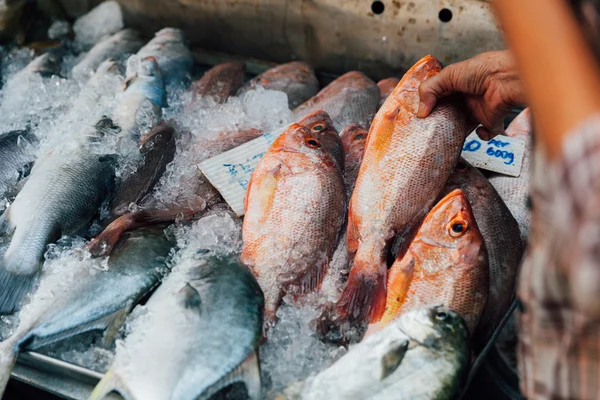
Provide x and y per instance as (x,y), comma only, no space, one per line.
(220,82)
(296,79)
(446,263)
(386,87)
(294,210)
(406,164)
(354,138)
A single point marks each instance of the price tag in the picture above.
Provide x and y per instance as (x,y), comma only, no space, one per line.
(502,154)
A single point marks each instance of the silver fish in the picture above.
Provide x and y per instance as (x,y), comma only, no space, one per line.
(45,65)
(174,58)
(95,299)
(127,41)
(140,105)
(200,335)
(62,195)
(17,152)
(422,355)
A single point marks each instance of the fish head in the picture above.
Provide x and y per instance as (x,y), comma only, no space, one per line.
(144,76)
(321,127)
(298,139)
(353,138)
(435,325)
(449,235)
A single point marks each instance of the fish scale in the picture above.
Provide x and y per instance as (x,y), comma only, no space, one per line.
(406,163)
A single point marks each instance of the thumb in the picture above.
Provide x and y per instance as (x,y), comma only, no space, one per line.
(440,85)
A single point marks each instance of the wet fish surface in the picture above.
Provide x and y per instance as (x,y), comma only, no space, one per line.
(515,190)
(296,79)
(202,331)
(446,264)
(174,58)
(406,164)
(350,99)
(422,355)
(500,233)
(126,41)
(17,152)
(294,210)
(220,82)
(62,195)
(95,299)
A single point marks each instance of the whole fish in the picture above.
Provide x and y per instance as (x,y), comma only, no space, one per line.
(200,334)
(140,104)
(350,99)
(174,58)
(294,210)
(406,164)
(63,193)
(500,233)
(422,355)
(157,150)
(127,41)
(515,190)
(220,82)
(386,87)
(17,152)
(95,299)
(11,13)
(446,263)
(296,79)
(354,139)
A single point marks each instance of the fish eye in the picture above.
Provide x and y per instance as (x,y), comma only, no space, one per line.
(202,251)
(458,228)
(461,166)
(441,315)
(359,136)
(312,143)
(318,127)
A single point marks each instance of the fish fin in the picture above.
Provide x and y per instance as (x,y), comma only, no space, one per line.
(8,359)
(264,190)
(189,298)
(365,293)
(13,288)
(111,382)
(114,323)
(352,232)
(247,372)
(129,81)
(392,359)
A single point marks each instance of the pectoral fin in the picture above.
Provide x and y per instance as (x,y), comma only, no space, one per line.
(392,359)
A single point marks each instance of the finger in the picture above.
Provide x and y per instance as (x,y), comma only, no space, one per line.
(484,133)
(445,83)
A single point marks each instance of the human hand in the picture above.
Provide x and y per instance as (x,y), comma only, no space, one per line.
(489,83)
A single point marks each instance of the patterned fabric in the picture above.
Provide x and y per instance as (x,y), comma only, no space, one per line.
(559,285)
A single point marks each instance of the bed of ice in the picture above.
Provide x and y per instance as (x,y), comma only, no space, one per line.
(48,106)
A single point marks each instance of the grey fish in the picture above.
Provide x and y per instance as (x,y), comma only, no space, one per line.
(174,58)
(352,98)
(200,335)
(17,152)
(422,355)
(157,150)
(296,79)
(127,41)
(62,195)
(515,190)
(500,233)
(95,299)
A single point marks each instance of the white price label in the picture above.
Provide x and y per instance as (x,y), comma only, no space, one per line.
(502,154)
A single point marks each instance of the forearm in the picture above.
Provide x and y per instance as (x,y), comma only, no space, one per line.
(558,69)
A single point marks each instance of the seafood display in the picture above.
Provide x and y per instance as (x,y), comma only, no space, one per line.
(370,261)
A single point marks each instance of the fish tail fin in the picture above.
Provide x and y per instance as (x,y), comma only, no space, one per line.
(8,359)
(13,289)
(365,293)
(111,382)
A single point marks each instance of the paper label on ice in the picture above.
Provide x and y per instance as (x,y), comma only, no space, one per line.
(230,172)
(502,154)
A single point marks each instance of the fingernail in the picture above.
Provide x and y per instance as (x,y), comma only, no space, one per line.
(421,113)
